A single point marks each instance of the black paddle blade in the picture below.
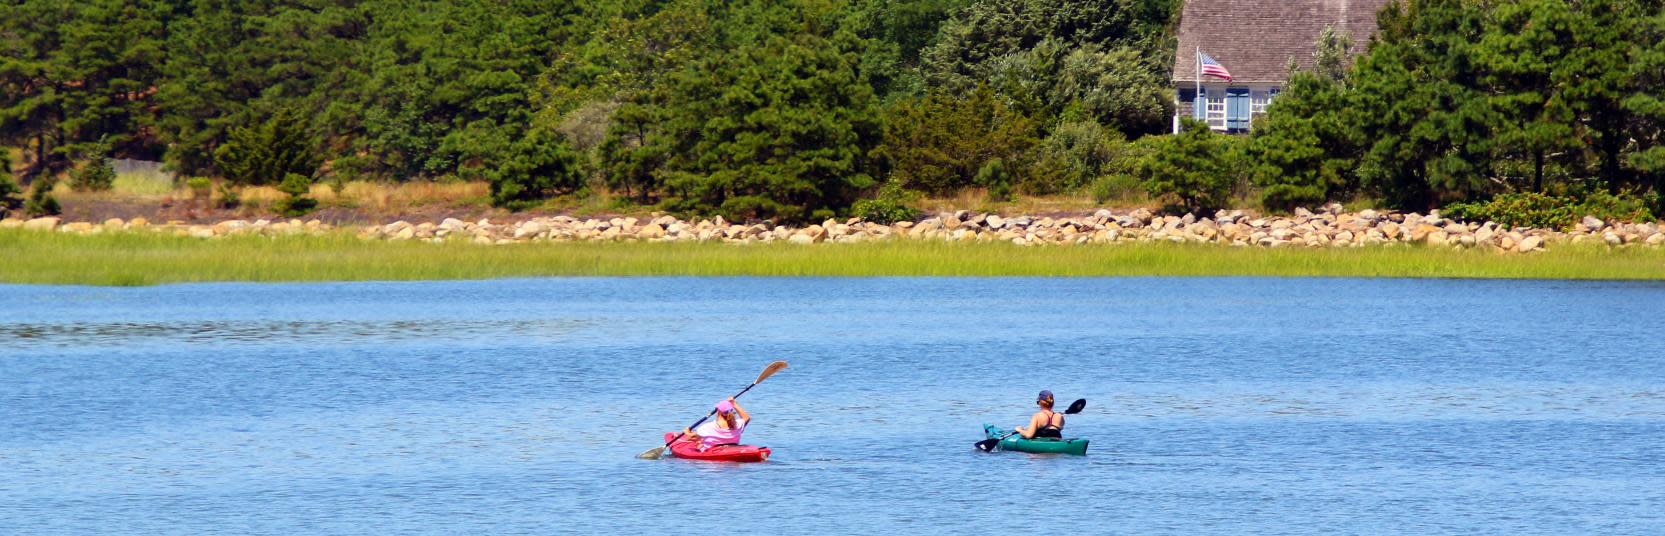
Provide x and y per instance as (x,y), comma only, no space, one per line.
(1076,406)
(988,445)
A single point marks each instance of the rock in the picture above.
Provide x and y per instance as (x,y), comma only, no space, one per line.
(1302,212)
(114,223)
(1656,239)
(1334,209)
(1612,239)
(11,223)
(79,227)
(650,231)
(1369,215)
(801,239)
(996,222)
(1530,243)
(1593,223)
(1101,214)
(42,224)
(1421,231)
(405,233)
(529,228)
(138,222)
(1484,235)
(1141,214)
(202,231)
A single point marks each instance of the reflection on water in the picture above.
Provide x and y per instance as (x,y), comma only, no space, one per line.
(31,335)
(1315,406)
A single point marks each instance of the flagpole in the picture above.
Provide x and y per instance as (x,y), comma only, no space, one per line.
(1200,99)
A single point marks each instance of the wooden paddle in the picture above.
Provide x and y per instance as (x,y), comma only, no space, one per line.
(988,445)
(659,451)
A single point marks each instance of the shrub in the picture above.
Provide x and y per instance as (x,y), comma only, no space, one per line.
(297,204)
(269,152)
(228,197)
(997,179)
(11,195)
(1075,155)
(890,206)
(41,202)
(938,144)
(538,167)
(1193,168)
(1116,187)
(1529,209)
(97,174)
(1623,207)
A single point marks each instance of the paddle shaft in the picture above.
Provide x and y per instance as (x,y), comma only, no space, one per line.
(707,416)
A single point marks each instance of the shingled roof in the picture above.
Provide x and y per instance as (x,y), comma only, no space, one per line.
(1255,39)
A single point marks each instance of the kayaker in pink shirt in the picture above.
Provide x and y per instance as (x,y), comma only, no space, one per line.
(731,421)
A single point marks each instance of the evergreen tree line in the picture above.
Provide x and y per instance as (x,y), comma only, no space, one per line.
(774,109)
(1465,101)
(796,109)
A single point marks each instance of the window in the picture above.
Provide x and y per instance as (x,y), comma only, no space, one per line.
(1216,110)
(1257,104)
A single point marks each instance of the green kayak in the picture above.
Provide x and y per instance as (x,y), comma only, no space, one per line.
(1044,445)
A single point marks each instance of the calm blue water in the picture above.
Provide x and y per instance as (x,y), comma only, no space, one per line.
(517,406)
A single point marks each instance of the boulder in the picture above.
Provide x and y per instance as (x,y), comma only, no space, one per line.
(1593,223)
(42,224)
(1421,231)
(1530,243)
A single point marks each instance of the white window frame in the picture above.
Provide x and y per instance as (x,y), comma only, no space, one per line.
(1215,108)
(1259,99)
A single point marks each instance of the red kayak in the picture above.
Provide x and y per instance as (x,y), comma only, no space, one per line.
(684,448)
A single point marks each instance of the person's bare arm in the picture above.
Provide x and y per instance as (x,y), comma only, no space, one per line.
(1028,432)
(744,417)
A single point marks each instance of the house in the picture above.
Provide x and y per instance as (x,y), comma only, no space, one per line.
(1254,40)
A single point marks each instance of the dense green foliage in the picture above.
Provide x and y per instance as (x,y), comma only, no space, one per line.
(297,204)
(11,195)
(98,173)
(890,206)
(1194,169)
(751,109)
(1529,209)
(796,109)
(536,168)
(41,202)
(268,152)
(1462,100)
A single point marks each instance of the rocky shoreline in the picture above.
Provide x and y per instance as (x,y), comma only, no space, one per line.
(1330,227)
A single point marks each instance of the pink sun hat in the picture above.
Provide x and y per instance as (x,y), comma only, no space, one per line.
(725,406)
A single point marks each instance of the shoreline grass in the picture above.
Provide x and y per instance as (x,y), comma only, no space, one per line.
(147,258)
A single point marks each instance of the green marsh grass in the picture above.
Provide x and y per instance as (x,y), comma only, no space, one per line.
(147,258)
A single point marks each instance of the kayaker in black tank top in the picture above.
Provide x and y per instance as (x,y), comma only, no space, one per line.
(1044,423)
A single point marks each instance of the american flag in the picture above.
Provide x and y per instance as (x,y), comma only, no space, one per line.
(1211,67)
